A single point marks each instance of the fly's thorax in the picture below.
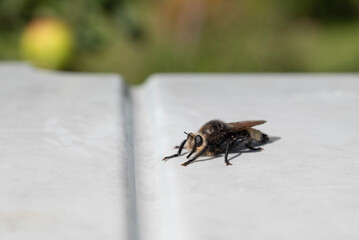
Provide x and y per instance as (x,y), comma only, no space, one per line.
(213,127)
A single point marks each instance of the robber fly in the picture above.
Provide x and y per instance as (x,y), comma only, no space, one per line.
(216,137)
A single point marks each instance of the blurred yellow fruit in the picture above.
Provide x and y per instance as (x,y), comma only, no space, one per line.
(47,43)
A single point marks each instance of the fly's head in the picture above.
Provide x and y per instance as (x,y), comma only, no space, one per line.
(195,141)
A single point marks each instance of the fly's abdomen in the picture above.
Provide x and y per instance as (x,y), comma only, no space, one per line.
(257,135)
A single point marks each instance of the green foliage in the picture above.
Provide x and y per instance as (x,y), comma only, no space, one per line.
(138,38)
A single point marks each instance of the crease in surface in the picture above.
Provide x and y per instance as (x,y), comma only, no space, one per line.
(128,128)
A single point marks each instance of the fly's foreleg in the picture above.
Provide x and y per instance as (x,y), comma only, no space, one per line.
(178,153)
(196,156)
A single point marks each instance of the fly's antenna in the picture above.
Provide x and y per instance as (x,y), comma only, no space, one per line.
(189,134)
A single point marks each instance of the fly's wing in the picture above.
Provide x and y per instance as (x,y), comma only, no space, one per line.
(238,126)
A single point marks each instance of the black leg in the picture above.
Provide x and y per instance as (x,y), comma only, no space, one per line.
(190,154)
(229,144)
(249,146)
(193,150)
(226,154)
(181,147)
(196,156)
(178,153)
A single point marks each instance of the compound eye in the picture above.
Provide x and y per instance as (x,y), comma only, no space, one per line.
(198,140)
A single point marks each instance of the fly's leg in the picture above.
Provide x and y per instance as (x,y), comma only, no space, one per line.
(249,146)
(190,154)
(196,156)
(226,154)
(178,153)
(193,150)
(229,145)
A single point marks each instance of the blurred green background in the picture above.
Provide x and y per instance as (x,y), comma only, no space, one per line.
(138,38)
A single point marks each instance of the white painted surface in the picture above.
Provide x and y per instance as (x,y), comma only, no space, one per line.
(303,186)
(62,158)
(66,164)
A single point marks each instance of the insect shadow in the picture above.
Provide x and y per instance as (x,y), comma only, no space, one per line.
(240,149)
